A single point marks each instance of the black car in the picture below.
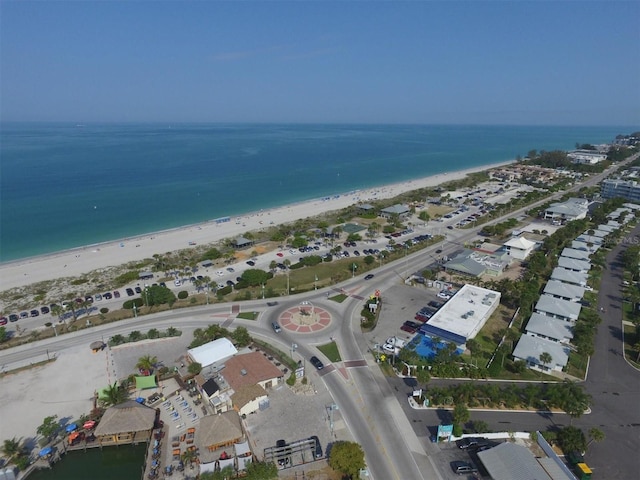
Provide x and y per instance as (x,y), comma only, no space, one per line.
(272,304)
(13,317)
(471,443)
(435,304)
(138,290)
(317,448)
(251,263)
(107,296)
(369,277)
(230,283)
(34,313)
(410,327)
(44,310)
(116,294)
(130,292)
(315,361)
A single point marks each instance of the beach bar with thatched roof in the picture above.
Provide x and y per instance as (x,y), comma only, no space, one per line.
(127,422)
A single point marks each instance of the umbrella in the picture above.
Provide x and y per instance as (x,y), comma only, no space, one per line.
(89,424)
(72,427)
(46,451)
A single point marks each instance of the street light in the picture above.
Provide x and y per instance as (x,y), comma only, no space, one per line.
(135,310)
(293,349)
(263,291)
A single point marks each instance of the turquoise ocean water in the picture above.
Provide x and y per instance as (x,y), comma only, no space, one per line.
(64,186)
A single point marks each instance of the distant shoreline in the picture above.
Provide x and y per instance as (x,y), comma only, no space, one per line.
(82,260)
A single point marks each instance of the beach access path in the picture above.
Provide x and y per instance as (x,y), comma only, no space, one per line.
(80,261)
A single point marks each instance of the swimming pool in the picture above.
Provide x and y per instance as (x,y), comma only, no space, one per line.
(425,347)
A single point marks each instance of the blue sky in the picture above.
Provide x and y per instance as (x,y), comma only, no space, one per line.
(550,63)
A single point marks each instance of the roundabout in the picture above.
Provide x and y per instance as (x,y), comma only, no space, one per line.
(305,318)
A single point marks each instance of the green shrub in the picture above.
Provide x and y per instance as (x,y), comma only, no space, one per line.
(104,310)
(291,381)
(126,278)
(128,305)
(223,291)
(182,294)
(296,266)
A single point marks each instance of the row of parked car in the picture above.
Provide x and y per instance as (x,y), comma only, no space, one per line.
(424,314)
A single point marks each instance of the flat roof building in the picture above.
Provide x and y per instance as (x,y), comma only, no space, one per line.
(573,264)
(628,189)
(565,291)
(571,209)
(462,317)
(212,352)
(577,254)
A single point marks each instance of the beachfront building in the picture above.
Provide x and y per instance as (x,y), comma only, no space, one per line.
(241,242)
(572,209)
(530,348)
(549,328)
(587,157)
(519,247)
(366,208)
(558,308)
(212,352)
(463,316)
(399,210)
(569,276)
(477,263)
(628,189)
(216,437)
(125,423)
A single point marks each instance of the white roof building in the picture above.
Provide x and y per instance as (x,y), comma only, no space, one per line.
(519,247)
(462,317)
(591,248)
(529,349)
(589,157)
(212,352)
(572,209)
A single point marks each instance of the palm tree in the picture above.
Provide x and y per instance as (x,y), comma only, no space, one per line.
(147,362)
(189,456)
(596,435)
(172,331)
(57,311)
(545,358)
(12,448)
(114,395)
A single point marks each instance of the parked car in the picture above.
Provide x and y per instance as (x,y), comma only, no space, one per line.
(471,443)
(176,282)
(3,320)
(318,447)
(108,296)
(410,326)
(251,263)
(13,317)
(97,297)
(461,468)
(116,294)
(34,313)
(315,361)
(230,269)
(44,310)
(276,327)
(138,290)
(369,277)
(130,292)
(24,315)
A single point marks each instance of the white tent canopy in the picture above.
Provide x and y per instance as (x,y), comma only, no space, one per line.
(212,352)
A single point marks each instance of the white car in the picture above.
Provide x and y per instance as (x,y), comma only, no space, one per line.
(177,283)
(220,273)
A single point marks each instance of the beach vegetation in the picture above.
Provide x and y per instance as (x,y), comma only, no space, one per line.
(79,281)
(126,278)
(211,254)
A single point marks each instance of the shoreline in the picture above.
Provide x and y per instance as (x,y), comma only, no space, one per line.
(84,259)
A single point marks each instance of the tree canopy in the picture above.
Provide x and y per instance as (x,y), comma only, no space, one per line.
(347,458)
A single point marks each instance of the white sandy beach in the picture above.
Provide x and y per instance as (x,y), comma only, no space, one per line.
(79,261)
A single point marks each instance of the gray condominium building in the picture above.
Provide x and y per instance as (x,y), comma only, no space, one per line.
(628,189)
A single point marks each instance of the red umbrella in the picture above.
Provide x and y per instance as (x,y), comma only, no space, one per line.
(89,424)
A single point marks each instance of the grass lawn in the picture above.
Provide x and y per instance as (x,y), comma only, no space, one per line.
(577,365)
(489,336)
(339,298)
(248,315)
(330,350)
(630,338)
